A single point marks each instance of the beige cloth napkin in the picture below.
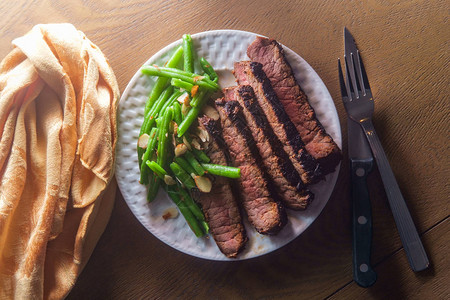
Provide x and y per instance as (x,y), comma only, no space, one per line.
(58,101)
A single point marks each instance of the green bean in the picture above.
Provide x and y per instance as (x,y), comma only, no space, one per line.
(155,167)
(205,226)
(208,69)
(191,204)
(181,84)
(198,98)
(164,137)
(194,163)
(192,78)
(154,116)
(153,188)
(175,58)
(155,93)
(149,118)
(200,155)
(188,54)
(182,175)
(194,208)
(153,139)
(162,81)
(185,211)
(158,121)
(170,102)
(190,117)
(185,165)
(177,116)
(224,171)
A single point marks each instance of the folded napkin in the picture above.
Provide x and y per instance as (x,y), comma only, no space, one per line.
(58,101)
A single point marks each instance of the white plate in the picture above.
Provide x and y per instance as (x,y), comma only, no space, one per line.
(221,48)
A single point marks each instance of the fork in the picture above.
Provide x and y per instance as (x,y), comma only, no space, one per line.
(359,105)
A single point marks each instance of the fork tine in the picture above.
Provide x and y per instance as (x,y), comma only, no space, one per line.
(348,79)
(364,78)
(351,77)
(357,58)
(357,73)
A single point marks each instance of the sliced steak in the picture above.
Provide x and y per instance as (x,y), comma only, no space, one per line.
(278,165)
(317,142)
(258,196)
(251,73)
(219,206)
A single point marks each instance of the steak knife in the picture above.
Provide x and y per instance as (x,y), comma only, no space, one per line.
(361,163)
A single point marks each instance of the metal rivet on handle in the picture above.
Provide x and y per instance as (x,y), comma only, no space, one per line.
(360,172)
(364,268)
(362,220)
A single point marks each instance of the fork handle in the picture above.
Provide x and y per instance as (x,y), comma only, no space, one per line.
(412,244)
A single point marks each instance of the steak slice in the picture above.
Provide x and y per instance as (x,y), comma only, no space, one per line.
(317,142)
(278,165)
(219,206)
(251,73)
(258,197)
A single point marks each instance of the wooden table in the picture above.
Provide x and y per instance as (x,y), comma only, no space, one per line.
(405,47)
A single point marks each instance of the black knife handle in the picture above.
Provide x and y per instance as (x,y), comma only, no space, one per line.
(363,274)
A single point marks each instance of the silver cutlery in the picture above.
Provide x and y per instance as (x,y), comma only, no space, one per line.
(359,104)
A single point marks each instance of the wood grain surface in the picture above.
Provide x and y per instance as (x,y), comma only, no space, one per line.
(405,49)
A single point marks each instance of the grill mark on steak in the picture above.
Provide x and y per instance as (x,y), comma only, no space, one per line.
(258,197)
(251,73)
(219,206)
(286,179)
(317,142)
